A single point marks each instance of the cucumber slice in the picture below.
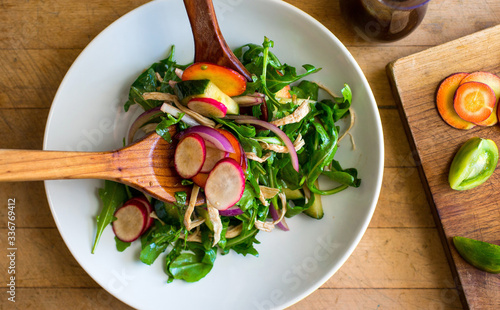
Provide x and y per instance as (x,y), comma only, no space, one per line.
(316,209)
(187,90)
(293,194)
(482,255)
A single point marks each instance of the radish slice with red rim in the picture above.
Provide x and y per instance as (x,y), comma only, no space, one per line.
(225,184)
(149,209)
(189,155)
(208,107)
(130,221)
(212,157)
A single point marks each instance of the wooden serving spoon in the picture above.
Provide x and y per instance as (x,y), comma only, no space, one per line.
(146,165)
(209,44)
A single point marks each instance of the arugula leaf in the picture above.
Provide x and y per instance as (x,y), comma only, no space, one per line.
(121,245)
(160,239)
(112,195)
(192,265)
(162,127)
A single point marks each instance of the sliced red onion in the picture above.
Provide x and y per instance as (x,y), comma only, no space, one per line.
(170,109)
(248,101)
(288,143)
(233,211)
(140,121)
(281,224)
(211,135)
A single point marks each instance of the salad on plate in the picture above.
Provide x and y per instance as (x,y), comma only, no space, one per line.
(251,153)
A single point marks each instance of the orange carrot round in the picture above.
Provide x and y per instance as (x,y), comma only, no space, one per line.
(474,101)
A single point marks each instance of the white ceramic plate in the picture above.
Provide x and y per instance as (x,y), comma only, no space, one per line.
(87,115)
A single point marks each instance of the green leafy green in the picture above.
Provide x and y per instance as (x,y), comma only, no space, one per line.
(112,196)
(121,245)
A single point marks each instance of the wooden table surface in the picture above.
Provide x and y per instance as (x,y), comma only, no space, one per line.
(399,263)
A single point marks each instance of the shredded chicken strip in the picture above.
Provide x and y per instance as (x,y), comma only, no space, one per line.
(153,215)
(298,144)
(296,116)
(193,237)
(353,117)
(262,199)
(149,127)
(189,211)
(234,231)
(213,215)
(158,76)
(253,156)
(268,192)
(159,96)
(268,226)
(351,111)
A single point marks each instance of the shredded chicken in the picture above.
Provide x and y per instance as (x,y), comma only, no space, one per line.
(268,226)
(253,156)
(153,215)
(268,192)
(192,237)
(298,144)
(351,111)
(179,73)
(353,117)
(262,199)
(234,231)
(296,116)
(188,223)
(158,76)
(149,127)
(159,96)
(213,215)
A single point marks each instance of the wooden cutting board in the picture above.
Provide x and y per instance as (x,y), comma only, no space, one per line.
(474,213)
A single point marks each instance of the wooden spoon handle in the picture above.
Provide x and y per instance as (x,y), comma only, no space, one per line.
(28,165)
(209,43)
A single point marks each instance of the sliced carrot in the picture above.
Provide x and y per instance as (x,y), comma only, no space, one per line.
(227,80)
(492,81)
(444,101)
(200,179)
(474,101)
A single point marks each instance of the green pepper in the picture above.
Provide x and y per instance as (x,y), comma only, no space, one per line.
(482,255)
(473,164)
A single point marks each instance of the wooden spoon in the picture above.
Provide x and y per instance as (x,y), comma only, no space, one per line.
(209,44)
(146,165)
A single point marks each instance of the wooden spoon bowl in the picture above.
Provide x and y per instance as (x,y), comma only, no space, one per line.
(146,165)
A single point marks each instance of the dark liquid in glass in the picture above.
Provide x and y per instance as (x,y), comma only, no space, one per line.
(379,22)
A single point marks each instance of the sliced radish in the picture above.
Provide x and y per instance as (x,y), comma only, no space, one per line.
(189,155)
(130,221)
(212,157)
(149,209)
(207,107)
(225,184)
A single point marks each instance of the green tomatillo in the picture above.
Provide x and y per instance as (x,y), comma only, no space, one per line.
(473,164)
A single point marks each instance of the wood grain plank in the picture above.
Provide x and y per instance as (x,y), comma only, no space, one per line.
(396,147)
(361,299)
(97,298)
(30,78)
(474,213)
(38,24)
(414,255)
(395,258)
(22,128)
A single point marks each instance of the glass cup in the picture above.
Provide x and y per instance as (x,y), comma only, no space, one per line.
(383,20)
